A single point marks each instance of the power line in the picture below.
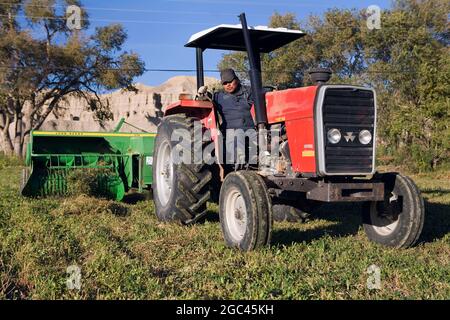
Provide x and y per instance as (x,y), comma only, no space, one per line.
(248,3)
(194,70)
(107,69)
(179,70)
(172,12)
(64,68)
(259,3)
(109,20)
(358,27)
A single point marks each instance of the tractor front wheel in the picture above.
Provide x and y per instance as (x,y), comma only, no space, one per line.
(398,220)
(245,211)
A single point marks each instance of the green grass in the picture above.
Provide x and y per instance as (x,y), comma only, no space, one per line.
(124,252)
(9,161)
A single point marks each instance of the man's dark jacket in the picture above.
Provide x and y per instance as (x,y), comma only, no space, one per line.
(235,108)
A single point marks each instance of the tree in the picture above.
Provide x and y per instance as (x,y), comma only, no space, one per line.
(280,67)
(332,41)
(43,61)
(409,63)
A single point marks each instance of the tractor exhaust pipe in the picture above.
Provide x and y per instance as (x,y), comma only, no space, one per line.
(320,75)
(254,60)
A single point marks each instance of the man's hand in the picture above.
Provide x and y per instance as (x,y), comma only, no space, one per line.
(202,90)
(204,94)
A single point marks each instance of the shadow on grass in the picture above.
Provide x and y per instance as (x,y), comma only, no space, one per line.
(436,192)
(210,216)
(437,221)
(347,221)
(135,197)
(346,218)
(16,291)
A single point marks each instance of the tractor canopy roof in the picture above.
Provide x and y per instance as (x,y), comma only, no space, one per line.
(230,37)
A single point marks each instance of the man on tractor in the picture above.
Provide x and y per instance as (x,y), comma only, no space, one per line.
(234,104)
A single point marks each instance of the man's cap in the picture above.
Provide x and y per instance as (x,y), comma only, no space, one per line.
(227,75)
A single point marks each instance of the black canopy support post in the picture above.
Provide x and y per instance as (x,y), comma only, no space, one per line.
(254,60)
(200,71)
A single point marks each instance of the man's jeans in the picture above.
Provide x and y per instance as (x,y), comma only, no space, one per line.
(241,146)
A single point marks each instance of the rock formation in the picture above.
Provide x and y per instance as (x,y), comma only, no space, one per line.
(142,109)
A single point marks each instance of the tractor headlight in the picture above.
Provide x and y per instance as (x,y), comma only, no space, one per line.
(365,137)
(334,136)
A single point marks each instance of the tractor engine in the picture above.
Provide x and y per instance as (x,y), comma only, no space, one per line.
(331,134)
(345,130)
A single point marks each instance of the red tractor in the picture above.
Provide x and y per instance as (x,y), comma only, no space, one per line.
(326,154)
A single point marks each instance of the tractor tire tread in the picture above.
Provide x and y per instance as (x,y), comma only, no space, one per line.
(192,181)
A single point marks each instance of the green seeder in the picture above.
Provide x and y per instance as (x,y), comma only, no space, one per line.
(123,160)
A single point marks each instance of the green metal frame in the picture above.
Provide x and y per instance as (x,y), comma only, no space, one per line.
(52,154)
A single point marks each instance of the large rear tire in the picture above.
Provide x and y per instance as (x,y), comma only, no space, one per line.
(245,211)
(398,220)
(180,190)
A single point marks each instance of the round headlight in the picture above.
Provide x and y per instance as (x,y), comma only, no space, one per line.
(365,137)
(334,136)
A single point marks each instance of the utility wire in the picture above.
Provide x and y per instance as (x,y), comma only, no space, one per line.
(108,69)
(172,12)
(256,3)
(194,70)
(397,28)
(108,20)
(259,3)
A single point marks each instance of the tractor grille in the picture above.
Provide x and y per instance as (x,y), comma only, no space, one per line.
(350,110)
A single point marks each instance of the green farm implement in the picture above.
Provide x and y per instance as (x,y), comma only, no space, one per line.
(121,161)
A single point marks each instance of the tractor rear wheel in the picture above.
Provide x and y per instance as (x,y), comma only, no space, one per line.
(245,211)
(180,188)
(398,220)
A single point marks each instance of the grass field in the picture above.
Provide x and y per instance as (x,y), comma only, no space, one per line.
(125,253)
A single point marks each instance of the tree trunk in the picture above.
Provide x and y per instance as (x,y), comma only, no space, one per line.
(25,140)
(18,147)
(6,143)
(18,142)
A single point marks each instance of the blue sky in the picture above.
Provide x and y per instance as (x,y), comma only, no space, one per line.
(158,29)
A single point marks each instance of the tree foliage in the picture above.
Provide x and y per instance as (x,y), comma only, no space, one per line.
(43,61)
(406,61)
